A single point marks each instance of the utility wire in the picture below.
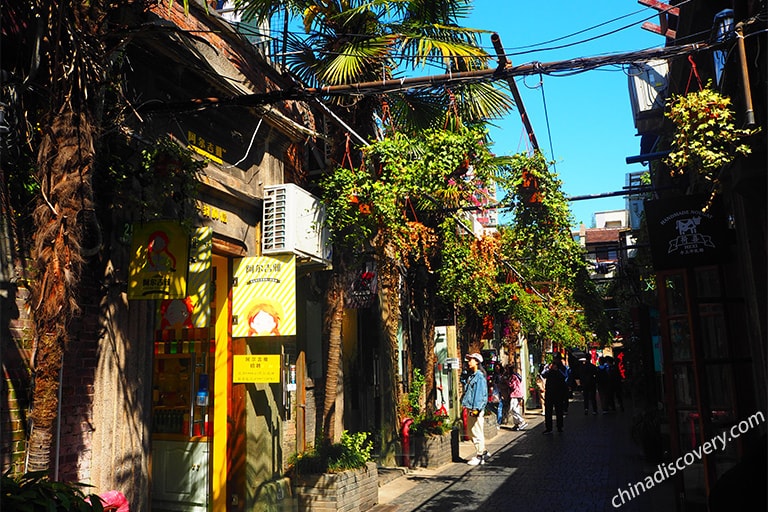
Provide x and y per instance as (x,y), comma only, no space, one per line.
(546,119)
(571,66)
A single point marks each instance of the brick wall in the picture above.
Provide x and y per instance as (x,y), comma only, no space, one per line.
(77,390)
(80,360)
(16,348)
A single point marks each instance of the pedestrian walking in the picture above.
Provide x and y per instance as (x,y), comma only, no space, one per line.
(497,394)
(570,383)
(516,400)
(542,386)
(556,391)
(588,379)
(475,399)
(504,391)
(605,385)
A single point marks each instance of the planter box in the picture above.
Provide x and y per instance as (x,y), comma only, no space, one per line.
(432,451)
(354,490)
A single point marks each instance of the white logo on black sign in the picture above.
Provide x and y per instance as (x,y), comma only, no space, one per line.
(689,240)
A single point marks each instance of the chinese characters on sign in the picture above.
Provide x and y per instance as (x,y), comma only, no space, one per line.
(264,298)
(685,234)
(256,369)
(159,259)
(206,148)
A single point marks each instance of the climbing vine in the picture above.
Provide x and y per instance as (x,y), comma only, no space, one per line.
(403,186)
(411,191)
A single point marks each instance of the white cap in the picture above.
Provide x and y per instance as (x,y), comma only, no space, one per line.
(475,356)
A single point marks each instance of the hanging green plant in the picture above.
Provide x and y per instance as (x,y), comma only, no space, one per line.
(705,137)
(401,176)
(164,183)
(169,179)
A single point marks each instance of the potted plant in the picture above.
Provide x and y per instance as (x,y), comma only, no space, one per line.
(35,491)
(336,476)
(431,434)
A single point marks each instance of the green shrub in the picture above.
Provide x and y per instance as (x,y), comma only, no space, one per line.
(351,452)
(33,492)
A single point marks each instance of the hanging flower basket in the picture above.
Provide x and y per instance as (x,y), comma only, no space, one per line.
(705,139)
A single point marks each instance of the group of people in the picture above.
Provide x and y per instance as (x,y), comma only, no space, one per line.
(557,381)
(507,396)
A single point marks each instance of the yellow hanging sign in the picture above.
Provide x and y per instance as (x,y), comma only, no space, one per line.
(264,296)
(194,310)
(159,258)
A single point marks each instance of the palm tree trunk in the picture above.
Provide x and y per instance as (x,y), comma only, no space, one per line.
(45,403)
(64,172)
(392,391)
(334,317)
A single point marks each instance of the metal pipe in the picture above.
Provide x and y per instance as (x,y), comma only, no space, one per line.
(647,157)
(748,113)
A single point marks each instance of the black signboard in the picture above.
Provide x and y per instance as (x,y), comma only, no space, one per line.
(683,234)
(231,141)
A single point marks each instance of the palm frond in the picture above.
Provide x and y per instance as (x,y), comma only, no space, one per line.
(357,61)
(482,101)
(418,110)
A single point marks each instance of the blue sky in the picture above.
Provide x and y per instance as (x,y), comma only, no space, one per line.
(590,116)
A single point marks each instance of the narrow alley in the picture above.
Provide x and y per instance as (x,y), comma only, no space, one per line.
(580,470)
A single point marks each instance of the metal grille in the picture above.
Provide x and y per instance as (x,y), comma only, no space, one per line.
(275,232)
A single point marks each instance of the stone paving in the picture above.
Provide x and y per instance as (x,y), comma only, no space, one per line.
(579,470)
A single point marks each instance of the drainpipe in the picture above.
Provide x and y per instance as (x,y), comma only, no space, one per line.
(749,113)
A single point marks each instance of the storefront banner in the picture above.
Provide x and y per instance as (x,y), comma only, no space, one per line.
(683,235)
(159,260)
(264,296)
(256,369)
(194,310)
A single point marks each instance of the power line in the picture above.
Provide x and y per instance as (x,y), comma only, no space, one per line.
(527,49)
(388,86)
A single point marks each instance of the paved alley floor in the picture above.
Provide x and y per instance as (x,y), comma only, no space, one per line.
(582,469)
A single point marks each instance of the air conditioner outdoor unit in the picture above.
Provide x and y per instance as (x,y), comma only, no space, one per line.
(647,91)
(293,224)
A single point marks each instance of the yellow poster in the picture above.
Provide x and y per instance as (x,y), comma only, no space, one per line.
(256,369)
(264,296)
(158,266)
(194,310)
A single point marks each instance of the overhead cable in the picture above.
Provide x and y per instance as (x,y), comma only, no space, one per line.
(577,65)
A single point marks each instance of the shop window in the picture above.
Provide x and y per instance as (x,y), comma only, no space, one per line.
(685,391)
(721,391)
(713,333)
(680,338)
(675,292)
(708,282)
